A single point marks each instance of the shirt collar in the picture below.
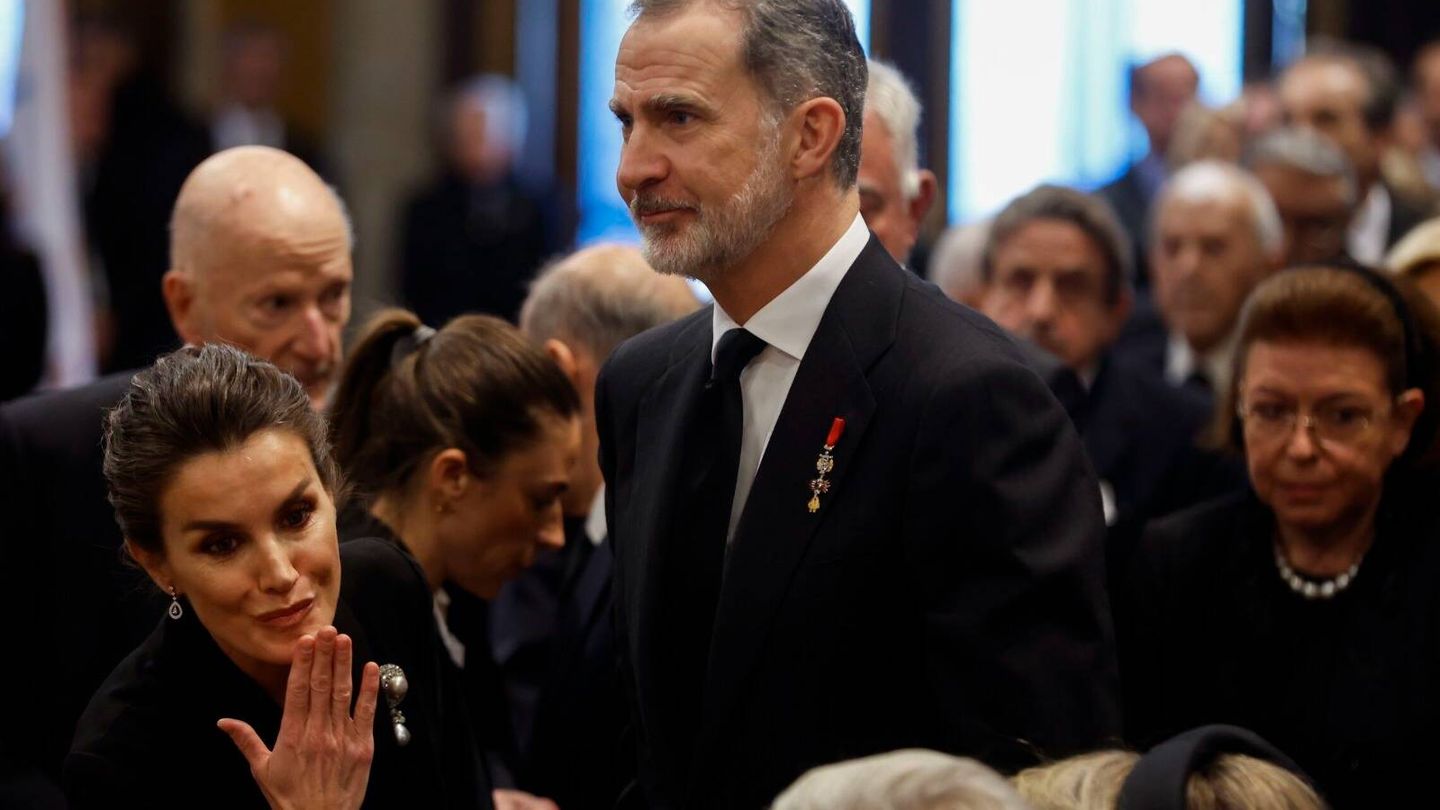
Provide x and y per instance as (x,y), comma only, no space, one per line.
(1181,361)
(1370,226)
(789,321)
(595,526)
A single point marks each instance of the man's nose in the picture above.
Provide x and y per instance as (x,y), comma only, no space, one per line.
(1040,304)
(642,162)
(315,335)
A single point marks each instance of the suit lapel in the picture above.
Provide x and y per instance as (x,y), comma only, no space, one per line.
(776,526)
(663,417)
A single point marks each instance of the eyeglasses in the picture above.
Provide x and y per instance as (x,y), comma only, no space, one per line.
(1341,423)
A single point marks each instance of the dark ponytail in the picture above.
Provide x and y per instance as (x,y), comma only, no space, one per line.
(407,392)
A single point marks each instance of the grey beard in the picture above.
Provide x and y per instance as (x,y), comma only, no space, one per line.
(720,237)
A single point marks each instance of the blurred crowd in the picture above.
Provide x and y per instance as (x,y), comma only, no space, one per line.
(1241,328)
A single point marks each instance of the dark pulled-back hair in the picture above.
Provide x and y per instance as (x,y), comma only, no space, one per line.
(193,401)
(407,392)
(797,50)
(1347,306)
(1091,214)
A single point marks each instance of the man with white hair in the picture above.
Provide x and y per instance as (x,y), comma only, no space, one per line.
(895,193)
(1215,236)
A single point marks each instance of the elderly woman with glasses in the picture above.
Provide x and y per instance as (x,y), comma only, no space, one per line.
(1308,609)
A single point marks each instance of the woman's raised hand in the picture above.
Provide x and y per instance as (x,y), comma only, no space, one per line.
(322,755)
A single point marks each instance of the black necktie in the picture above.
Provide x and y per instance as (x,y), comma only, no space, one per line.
(697,551)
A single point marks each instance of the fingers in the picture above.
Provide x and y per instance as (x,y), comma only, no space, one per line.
(321,677)
(340,692)
(365,705)
(249,743)
(297,690)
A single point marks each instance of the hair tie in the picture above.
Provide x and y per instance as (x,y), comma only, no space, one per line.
(410,343)
(1416,361)
(1159,779)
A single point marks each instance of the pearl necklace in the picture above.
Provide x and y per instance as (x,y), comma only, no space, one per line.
(1325,589)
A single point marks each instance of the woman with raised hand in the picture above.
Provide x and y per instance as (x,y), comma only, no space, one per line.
(1306,608)
(459,444)
(224,486)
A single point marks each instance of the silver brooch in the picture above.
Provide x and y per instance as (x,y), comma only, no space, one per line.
(395,686)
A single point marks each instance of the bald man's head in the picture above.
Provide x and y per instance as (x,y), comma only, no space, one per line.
(260,259)
(580,308)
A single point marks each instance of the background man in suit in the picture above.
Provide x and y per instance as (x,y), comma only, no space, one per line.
(1216,235)
(895,193)
(1313,187)
(1057,265)
(261,250)
(550,627)
(846,517)
(1348,93)
(1159,91)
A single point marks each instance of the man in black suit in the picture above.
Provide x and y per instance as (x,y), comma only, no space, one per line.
(846,517)
(1056,267)
(551,625)
(261,260)
(1349,93)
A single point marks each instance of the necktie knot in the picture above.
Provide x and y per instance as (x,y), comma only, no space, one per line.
(736,349)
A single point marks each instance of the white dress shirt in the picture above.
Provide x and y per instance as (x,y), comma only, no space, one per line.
(1181,361)
(786,324)
(1370,227)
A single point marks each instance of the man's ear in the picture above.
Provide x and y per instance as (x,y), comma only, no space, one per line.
(924,198)
(154,564)
(822,122)
(1408,407)
(178,288)
(565,358)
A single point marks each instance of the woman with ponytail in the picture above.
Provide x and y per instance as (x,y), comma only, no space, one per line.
(458,444)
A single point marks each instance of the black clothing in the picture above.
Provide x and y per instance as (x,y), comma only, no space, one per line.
(571,756)
(947,593)
(24,319)
(473,248)
(1346,686)
(61,567)
(479,679)
(149,737)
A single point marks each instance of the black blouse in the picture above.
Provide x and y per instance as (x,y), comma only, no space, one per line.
(148,737)
(1349,687)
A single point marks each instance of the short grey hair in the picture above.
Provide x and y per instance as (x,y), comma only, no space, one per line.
(600,297)
(797,50)
(1208,181)
(956,261)
(1092,215)
(893,101)
(1305,151)
(912,779)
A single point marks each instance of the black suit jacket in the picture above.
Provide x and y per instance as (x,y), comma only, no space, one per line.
(1128,197)
(949,593)
(1405,214)
(1143,438)
(61,567)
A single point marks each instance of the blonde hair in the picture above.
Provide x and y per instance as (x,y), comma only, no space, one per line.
(910,779)
(1418,252)
(1094,781)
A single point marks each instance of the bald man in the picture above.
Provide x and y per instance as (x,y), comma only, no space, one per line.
(260,251)
(550,628)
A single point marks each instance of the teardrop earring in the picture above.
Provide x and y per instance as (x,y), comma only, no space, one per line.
(175,611)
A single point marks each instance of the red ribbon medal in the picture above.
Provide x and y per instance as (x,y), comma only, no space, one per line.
(825,463)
